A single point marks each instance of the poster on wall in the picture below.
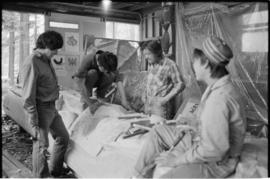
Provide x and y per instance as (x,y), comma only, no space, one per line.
(71,42)
(58,62)
(72,61)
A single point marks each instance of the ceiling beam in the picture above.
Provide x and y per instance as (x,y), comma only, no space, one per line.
(121,5)
(134,8)
(95,8)
(46,8)
(151,9)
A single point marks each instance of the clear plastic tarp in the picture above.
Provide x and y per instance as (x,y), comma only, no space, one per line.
(245,28)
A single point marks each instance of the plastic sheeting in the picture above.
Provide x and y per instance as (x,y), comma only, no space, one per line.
(245,28)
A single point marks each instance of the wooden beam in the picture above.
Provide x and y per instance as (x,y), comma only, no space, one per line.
(134,8)
(45,8)
(151,9)
(94,8)
(11,55)
(121,5)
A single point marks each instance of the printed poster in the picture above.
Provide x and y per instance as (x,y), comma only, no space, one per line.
(58,62)
(72,42)
(72,61)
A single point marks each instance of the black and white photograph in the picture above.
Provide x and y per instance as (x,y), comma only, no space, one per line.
(123,89)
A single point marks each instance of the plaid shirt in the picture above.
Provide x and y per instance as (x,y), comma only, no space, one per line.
(162,78)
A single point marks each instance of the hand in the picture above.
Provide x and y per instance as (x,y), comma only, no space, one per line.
(159,101)
(167,159)
(126,105)
(36,133)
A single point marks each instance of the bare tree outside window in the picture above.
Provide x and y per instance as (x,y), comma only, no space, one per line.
(19,33)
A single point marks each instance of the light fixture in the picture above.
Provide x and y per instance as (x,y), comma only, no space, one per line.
(106,4)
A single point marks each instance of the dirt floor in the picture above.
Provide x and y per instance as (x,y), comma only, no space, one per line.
(16,141)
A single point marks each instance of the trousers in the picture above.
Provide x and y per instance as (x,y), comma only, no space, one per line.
(49,120)
(160,139)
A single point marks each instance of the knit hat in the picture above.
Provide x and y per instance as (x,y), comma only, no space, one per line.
(217,50)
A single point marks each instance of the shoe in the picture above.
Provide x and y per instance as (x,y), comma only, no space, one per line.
(66,173)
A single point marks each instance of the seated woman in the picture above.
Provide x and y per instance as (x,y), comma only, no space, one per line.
(163,81)
(214,150)
(99,70)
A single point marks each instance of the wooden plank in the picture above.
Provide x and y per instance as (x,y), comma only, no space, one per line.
(13,168)
(153,25)
(11,54)
(146,27)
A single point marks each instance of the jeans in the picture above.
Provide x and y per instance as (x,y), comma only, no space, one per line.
(49,120)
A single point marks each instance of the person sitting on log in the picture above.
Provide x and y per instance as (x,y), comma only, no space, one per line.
(213,150)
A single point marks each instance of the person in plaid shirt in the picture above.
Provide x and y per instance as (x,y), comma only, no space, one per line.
(213,148)
(163,81)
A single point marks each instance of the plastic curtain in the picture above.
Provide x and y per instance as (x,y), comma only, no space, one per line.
(245,29)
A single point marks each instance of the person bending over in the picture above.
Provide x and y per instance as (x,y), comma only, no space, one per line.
(99,70)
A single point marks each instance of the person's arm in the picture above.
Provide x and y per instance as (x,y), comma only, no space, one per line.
(119,78)
(214,134)
(122,92)
(178,84)
(29,87)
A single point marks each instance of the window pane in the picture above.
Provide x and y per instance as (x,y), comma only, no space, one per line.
(255,41)
(122,31)
(63,25)
(109,29)
(255,18)
(25,28)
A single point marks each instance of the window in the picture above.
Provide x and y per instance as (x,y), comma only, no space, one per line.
(124,31)
(255,32)
(63,25)
(19,34)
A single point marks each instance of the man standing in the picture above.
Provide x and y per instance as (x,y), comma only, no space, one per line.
(164,81)
(213,150)
(40,90)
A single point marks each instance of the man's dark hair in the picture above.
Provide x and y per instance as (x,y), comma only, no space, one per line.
(108,61)
(217,70)
(154,47)
(99,52)
(143,44)
(49,39)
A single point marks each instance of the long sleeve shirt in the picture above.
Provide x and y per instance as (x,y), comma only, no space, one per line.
(162,78)
(39,83)
(88,62)
(222,124)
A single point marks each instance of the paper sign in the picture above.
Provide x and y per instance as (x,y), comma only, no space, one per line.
(58,62)
(71,42)
(72,61)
